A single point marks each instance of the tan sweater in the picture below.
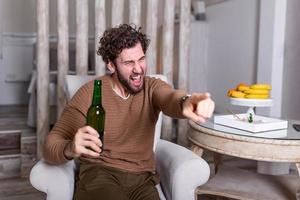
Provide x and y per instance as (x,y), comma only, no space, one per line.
(129,124)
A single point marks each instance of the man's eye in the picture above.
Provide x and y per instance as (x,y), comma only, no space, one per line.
(128,63)
(142,60)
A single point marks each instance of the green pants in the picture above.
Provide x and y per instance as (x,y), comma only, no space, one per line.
(97,182)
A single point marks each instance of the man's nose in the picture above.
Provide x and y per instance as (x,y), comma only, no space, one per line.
(137,68)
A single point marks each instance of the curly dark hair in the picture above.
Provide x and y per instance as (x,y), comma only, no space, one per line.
(114,40)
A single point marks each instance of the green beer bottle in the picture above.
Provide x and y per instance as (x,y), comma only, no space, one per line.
(96,112)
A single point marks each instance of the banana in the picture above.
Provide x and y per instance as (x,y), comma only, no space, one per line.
(257,96)
(238,94)
(229,92)
(261,86)
(255,91)
(242,88)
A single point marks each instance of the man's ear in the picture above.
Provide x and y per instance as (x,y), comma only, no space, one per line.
(111,67)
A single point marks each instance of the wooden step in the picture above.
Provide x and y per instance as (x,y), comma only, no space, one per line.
(18,162)
(17,152)
(28,151)
(13,111)
(10,166)
(17,143)
(13,123)
(10,132)
(31,196)
(10,140)
(16,188)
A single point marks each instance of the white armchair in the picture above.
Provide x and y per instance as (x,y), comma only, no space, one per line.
(181,170)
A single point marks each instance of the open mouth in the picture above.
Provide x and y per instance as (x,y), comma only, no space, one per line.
(136,80)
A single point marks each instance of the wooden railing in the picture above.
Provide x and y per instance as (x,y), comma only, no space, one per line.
(168,60)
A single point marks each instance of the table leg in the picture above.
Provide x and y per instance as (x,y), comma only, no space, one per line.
(197,150)
(217,161)
(298,190)
(217,157)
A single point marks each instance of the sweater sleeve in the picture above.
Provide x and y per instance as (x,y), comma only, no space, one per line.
(167,99)
(73,117)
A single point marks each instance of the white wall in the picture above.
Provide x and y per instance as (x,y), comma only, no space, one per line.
(232,52)
(198,57)
(18,15)
(17,22)
(17,41)
(232,48)
(291,79)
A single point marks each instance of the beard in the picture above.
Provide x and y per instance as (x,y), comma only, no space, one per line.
(127,84)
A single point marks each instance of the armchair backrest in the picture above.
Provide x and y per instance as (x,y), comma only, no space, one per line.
(74,82)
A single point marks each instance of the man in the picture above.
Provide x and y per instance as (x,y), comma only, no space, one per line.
(125,168)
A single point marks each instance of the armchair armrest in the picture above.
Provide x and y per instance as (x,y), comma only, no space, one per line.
(57,181)
(181,170)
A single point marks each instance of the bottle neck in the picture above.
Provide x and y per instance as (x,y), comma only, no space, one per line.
(97,94)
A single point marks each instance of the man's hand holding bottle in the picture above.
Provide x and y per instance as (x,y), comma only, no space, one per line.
(86,143)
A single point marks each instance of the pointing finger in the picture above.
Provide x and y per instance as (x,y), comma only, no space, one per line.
(194,117)
(205,107)
(196,97)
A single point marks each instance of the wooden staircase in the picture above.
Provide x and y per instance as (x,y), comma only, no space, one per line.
(17,155)
(17,143)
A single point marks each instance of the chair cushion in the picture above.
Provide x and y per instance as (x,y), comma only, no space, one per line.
(74,82)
